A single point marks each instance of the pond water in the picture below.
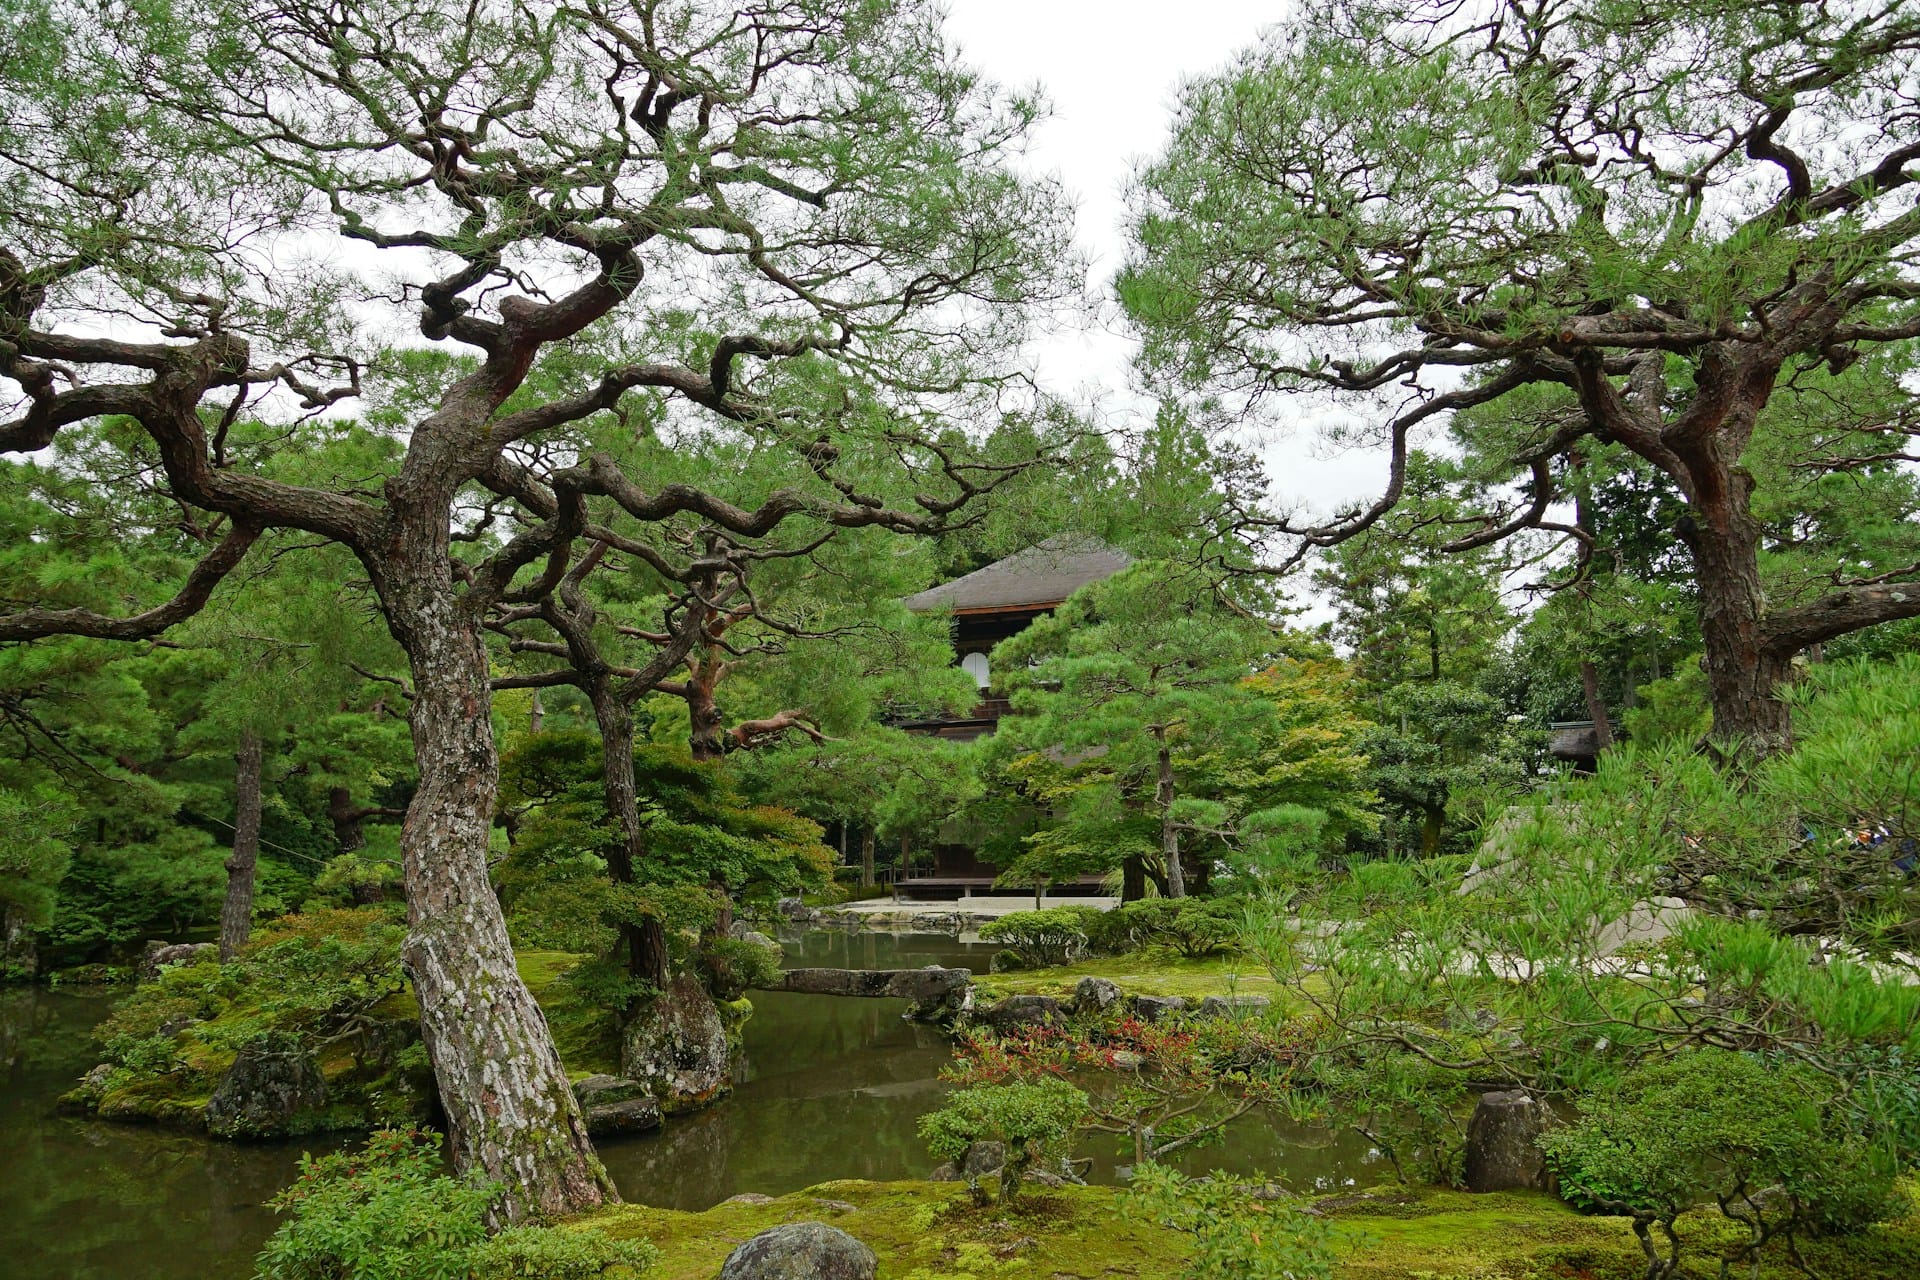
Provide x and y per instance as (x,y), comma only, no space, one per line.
(831,1088)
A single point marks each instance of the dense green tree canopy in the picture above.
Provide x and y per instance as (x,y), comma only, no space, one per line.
(1651,224)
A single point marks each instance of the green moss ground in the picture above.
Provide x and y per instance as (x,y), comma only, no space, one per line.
(1446,1235)
(929,1231)
(921,1231)
(587,1037)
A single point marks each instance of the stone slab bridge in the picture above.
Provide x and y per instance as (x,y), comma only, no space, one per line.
(936,994)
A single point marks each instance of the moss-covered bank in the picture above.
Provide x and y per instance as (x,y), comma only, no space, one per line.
(327,990)
(930,1231)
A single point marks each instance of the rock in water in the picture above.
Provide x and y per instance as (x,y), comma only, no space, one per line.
(801,1251)
(613,1105)
(676,1045)
(1503,1148)
(269,1084)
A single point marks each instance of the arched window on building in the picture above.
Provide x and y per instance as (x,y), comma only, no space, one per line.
(975,665)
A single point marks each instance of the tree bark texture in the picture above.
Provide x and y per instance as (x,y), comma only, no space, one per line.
(511,1113)
(1596,707)
(236,913)
(1169,831)
(1745,665)
(867,841)
(644,941)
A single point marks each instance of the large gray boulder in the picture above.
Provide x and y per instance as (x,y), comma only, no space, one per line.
(1503,1142)
(270,1085)
(675,1045)
(1095,996)
(801,1251)
(1158,1008)
(1232,1006)
(1022,1011)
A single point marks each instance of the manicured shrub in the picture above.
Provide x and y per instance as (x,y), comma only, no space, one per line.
(734,966)
(1763,1139)
(1034,1121)
(1057,935)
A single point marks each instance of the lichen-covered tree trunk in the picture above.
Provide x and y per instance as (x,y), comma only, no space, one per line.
(510,1112)
(236,913)
(868,872)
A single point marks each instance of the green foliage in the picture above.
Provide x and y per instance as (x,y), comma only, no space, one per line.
(354,877)
(1141,724)
(1194,927)
(306,981)
(1235,1236)
(702,834)
(1670,711)
(35,855)
(733,966)
(1053,936)
(1412,1110)
(384,1212)
(1768,1141)
(1034,1119)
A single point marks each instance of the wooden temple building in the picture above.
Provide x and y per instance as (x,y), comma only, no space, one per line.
(986,607)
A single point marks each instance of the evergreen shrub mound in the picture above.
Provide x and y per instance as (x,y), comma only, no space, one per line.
(1055,936)
(1770,1143)
(388,1211)
(1194,927)
(1034,1121)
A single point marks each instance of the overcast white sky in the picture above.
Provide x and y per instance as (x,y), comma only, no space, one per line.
(1112,71)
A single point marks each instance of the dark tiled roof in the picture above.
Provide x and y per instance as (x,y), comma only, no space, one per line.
(1042,575)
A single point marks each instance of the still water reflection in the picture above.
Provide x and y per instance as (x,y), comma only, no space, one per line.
(830,1088)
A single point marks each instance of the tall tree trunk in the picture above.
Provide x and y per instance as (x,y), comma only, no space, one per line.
(1169,831)
(511,1114)
(1744,675)
(536,715)
(867,841)
(644,941)
(1432,825)
(706,738)
(236,914)
(347,817)
(1596,707)
(1133,878)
